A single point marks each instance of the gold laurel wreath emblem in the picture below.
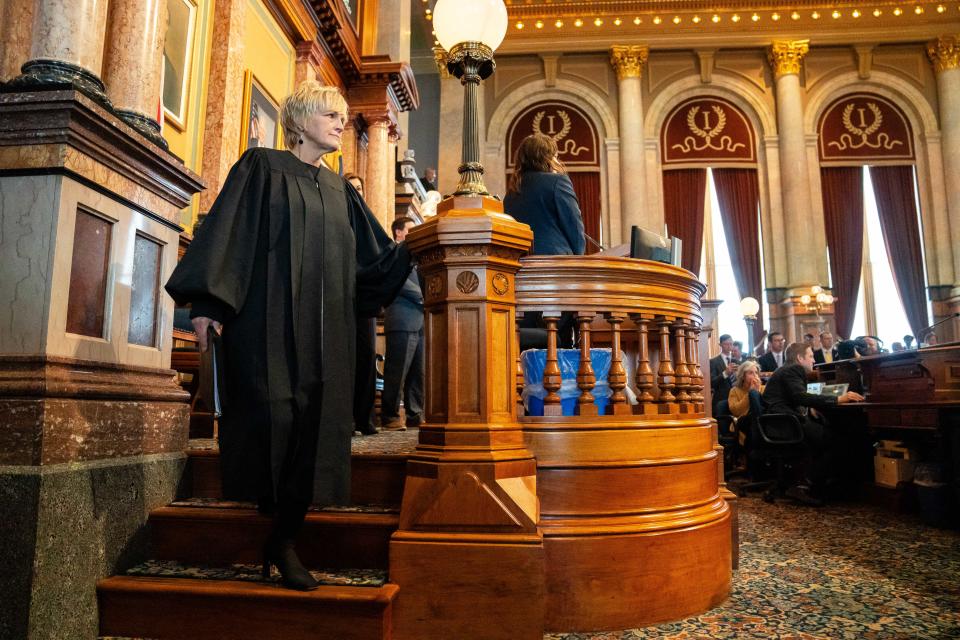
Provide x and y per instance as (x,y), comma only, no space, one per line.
(857,131)
(703,133)
(567,125)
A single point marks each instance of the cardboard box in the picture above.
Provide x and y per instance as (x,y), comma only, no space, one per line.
(893,463)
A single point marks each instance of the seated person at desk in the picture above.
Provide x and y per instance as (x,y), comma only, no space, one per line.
(786,392)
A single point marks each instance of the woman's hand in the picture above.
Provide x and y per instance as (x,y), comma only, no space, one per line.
(200,325)
(755,383)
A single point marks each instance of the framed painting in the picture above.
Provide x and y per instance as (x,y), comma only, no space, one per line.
(177,60)
(260,126)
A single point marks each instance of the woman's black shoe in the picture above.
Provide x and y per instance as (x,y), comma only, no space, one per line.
(293,575)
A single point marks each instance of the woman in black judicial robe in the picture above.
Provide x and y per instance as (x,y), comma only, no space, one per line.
(284,261)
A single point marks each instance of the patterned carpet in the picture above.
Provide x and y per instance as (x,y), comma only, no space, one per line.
(836,573)
(251,573)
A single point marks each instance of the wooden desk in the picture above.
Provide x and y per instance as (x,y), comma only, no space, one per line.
(910,395)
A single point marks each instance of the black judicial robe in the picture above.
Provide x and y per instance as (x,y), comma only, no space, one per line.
(286,258)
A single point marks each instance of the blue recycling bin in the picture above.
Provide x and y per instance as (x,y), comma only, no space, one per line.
(533,362)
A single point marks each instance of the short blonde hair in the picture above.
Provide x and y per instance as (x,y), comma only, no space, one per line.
(308,98)
(743,370)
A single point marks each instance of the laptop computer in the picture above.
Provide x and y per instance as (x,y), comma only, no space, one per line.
(835,390)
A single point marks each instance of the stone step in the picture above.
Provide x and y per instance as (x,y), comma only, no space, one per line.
(378,468)
(160,603)
(218,533)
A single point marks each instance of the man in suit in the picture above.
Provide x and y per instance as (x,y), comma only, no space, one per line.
(786,392)
(403,369)
(722,370)
(774,358)
(826,352)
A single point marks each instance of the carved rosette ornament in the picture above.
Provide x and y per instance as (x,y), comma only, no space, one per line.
(628,61)
(501,284)
(786,55)
(944,53)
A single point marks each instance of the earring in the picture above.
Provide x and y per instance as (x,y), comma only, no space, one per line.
(300,141)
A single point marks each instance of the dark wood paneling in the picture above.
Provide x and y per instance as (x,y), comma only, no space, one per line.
(88,275)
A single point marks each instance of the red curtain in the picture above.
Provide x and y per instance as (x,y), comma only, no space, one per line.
(842,189)
(738,193)
(586,184)
(897,206)
(683,199)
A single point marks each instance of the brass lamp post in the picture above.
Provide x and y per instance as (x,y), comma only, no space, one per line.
(470,32)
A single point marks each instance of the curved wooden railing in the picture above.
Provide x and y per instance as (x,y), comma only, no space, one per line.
(634,525)
(652,309)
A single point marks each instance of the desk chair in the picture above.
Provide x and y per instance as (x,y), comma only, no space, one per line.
(777,440)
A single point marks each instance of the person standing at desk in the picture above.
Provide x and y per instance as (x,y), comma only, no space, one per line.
(786,392)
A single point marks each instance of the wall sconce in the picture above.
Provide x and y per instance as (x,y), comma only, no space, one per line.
(816,302)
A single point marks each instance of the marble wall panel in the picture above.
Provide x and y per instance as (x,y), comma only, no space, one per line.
(37,220)
(28,220)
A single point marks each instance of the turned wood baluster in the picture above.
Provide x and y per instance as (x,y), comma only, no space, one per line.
(617,378)
(665,374)
(551,371)
(586,379)
(693,363)
(682,372)
(519,374)
(644,372)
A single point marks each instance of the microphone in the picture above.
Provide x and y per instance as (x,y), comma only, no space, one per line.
(926,330)
(595,243)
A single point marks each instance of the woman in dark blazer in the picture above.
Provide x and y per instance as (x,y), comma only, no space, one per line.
(541,195)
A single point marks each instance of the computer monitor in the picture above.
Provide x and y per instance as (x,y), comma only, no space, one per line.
(647,245)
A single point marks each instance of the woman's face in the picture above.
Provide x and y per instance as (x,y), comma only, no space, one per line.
(356,185)
(324,129)
(751,378)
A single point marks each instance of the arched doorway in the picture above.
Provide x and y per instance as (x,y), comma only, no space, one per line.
(578,143)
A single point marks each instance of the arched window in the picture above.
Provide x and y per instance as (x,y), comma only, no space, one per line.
(871,215)
(709,156)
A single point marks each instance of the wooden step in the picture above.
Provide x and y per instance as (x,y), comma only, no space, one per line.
(377,478)
(163,608)
(222,533)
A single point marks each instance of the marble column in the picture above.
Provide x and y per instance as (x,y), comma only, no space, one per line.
(309,59)
(379,185)
(393,143)
(628,62)
(348,147)
(16,27)
(67,46)
(134,62)
(944,53)
(224,86)
(785,59)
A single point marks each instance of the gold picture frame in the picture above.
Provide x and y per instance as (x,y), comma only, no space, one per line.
(178,61)
(260,117)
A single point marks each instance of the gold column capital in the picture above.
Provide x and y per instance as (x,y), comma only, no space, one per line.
(628,60)
(944,53)
(440,57)
(786,55)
